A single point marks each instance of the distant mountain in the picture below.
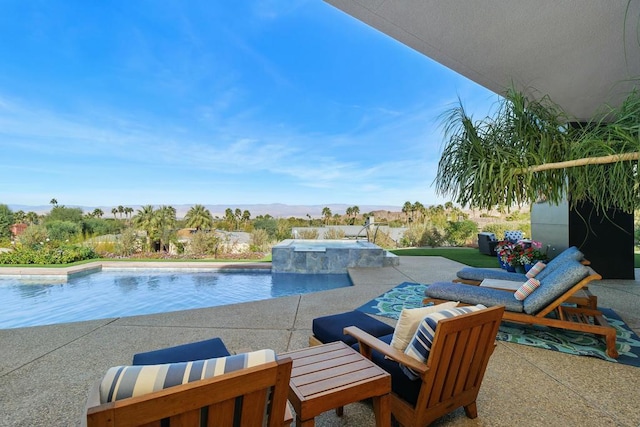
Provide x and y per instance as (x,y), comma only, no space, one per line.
(277,210)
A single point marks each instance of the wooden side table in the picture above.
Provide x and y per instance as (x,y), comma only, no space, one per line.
(329,376)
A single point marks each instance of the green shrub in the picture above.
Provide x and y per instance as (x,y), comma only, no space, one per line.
(422,234)
(128,243)
(203,243)
(334,234)
(63,231)
(270,225)
(461,233)
(48,255)
(383,240)
(62,213)
(6,221)
(432,237)
(260,240)
(100,227)
(310,234)
(34,235)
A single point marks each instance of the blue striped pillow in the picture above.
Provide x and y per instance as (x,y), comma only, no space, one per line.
(420,344)
(121,382)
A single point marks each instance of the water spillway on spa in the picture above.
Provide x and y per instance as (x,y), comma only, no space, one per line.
(327,256)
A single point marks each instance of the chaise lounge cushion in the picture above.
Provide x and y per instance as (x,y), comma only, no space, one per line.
(570,254)
(121,382)
(470,294)
(479,274)
(559,281)
(330,328)
(199,350)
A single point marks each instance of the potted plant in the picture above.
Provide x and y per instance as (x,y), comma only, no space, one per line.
(519,256)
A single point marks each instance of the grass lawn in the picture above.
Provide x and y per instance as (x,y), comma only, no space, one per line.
(469,256)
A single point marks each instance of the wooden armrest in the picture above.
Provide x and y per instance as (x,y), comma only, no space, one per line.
(368,342)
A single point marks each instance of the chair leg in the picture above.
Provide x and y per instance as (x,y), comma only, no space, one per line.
(471,410)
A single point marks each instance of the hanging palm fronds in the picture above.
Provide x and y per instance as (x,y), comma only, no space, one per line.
(528,151)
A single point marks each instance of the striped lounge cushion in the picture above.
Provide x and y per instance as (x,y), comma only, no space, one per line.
(420,345)
(121,382)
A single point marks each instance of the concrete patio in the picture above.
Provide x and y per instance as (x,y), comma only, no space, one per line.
(46,371)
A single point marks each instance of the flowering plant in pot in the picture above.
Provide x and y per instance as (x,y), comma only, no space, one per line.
(519,255)
(529,253)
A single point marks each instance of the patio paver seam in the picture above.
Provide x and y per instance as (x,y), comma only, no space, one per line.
(3,374)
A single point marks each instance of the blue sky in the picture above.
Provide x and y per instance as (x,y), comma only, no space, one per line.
(216,102)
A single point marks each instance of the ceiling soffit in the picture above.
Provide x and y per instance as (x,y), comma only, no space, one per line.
(583,54)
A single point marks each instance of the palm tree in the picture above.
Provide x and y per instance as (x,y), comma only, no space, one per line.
(406,208)
(144,219)
(98,213)
(246,216)
(238,216)
(165,222)
(19,216)
(114,211)
(229,218)
(120,210)
(349,212)
(31,217)
(199,218)
(53,202)
(418,207)
(326,213)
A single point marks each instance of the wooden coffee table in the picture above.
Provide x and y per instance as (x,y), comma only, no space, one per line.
(332,375)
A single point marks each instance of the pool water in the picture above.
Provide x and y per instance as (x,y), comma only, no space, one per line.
(110,294)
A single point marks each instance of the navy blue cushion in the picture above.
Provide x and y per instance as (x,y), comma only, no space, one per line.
(330,328)
(400,384)
(472,273)
(199,350)
(470,294)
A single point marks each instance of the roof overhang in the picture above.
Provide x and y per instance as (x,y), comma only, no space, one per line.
(583,54)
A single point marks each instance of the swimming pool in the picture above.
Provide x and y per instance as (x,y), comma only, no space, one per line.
(117,293)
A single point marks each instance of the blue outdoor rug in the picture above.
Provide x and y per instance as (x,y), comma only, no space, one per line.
(410,295)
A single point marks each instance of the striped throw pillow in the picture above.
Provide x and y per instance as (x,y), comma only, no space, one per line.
(409,320)
(526,289)
(121,382)
(420,345)
(537,268)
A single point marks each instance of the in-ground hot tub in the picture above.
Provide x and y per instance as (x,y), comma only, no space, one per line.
(327,256)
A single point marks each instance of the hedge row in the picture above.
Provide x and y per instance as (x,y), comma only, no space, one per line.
(48,255)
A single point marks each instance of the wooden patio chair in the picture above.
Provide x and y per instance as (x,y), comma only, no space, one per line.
(252,396)
(546,306)
(452,374)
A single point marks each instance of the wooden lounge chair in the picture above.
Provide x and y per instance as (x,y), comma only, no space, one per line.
(545,306)
(450,377)
(252,396)
(582,298)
